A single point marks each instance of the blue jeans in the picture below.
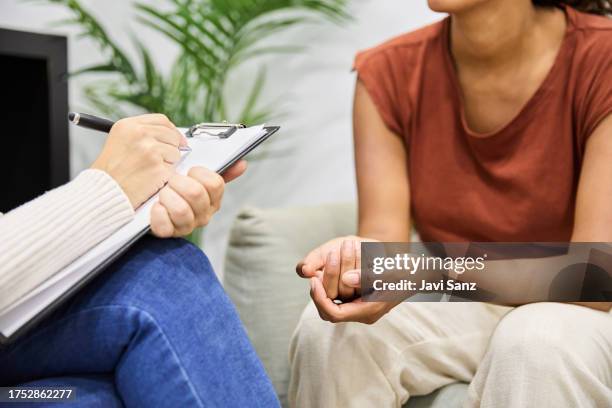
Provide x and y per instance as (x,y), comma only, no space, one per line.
(154,330)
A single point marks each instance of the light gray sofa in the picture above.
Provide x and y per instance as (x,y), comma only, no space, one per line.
(264,248)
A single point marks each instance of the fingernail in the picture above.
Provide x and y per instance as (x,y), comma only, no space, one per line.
(299,267)
(352,278)
(312,284)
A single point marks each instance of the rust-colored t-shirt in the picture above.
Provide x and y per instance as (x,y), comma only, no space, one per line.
(517,184)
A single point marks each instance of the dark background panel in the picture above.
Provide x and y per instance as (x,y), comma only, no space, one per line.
(34,153)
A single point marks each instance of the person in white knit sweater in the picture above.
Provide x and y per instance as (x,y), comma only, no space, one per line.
(160,302)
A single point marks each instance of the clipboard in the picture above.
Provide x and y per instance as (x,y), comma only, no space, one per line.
(16,332)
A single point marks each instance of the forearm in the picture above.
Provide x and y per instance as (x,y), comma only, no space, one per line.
(383,235)
(389,225)
(41,237)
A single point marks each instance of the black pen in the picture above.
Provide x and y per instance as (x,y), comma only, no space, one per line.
(100,124)
(91,122)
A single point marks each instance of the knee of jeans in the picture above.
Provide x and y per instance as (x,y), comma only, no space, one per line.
(178,252)
(179,255)
(161,273)
(529,332)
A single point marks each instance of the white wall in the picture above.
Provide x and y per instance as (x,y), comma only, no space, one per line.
(310,160)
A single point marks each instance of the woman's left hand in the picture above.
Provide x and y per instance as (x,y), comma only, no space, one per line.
(188,202)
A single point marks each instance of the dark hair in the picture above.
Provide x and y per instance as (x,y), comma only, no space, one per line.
(601,7)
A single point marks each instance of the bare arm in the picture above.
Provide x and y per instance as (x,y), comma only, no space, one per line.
(384,214)
(382,174)
(593,219)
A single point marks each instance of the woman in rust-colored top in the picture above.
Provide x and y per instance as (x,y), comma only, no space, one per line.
(494,124)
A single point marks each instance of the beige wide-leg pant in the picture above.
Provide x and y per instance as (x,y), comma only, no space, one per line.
(538,355)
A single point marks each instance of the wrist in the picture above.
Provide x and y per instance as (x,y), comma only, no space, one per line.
(126,196)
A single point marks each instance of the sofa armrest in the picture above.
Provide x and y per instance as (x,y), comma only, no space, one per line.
(260,277)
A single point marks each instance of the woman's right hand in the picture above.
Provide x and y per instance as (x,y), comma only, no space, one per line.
(140,153)
(330,262)
(334,271)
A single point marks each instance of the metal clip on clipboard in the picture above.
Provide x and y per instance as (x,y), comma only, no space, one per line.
(220,130)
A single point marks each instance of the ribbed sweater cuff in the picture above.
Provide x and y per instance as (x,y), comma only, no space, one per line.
(43,236)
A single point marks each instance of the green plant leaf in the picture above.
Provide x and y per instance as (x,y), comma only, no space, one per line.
(93,30)
(214,37)
(108,68)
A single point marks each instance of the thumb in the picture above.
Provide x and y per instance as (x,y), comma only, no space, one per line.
(352,278)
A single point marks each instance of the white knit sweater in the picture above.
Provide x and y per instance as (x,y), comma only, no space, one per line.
(42,236)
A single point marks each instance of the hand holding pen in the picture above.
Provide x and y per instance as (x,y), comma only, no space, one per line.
(140,154)
(105,125)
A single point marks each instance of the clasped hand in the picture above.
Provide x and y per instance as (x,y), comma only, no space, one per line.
(334,271)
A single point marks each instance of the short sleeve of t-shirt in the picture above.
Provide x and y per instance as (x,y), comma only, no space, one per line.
(594,84)
(375,71)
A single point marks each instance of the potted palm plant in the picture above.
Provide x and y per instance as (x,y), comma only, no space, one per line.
(213,37)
